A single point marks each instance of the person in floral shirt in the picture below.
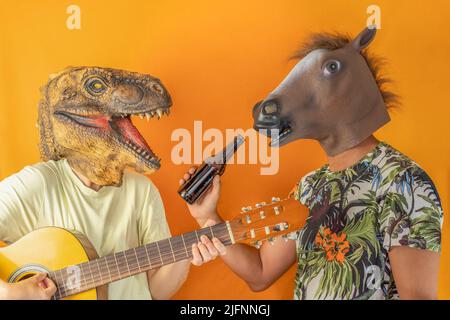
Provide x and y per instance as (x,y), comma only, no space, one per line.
(356,216)
(375,218)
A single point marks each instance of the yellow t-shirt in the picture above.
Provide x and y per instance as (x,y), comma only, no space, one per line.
(113,218)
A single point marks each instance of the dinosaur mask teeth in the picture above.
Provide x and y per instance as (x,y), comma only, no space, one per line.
(159,112)
(134,142)
(122,129)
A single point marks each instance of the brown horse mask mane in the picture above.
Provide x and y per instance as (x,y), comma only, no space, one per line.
(331,95)
(85,117)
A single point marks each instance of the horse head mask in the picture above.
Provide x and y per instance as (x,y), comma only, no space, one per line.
(333,95)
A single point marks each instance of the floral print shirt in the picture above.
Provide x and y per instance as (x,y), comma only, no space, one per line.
(356,215)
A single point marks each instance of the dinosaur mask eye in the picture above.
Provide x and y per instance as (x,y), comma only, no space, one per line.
(95,86)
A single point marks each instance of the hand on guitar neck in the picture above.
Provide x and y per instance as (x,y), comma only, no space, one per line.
(205,212)
(258,267)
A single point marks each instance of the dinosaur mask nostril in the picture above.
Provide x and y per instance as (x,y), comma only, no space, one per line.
(155,87)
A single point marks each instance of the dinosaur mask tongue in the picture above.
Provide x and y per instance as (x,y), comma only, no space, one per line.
(127,130)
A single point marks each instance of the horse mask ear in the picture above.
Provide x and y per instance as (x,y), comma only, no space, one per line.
(364,38)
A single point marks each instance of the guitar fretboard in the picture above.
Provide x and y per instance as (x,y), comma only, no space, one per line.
(113,267)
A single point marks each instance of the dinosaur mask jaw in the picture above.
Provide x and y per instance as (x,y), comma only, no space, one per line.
(121,129)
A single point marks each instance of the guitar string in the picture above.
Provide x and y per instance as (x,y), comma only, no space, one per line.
(95,276)
(94,280)
(98,276)
(160,263)
(163,244)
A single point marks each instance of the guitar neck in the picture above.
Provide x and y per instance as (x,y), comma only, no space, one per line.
(117,266)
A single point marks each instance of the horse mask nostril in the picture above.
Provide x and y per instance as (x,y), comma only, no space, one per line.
(270,108)
(267,115)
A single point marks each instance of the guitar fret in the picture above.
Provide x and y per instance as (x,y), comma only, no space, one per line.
(159,251)
(190,239)
(58,285)
(134,260)
(117,266)
(83,272)
(164,247)
(155,256)
(90,271)
(204,232)
(185,248)
(110,260)
(137,260)
(99,271)
(107,267)
(83,277)
(141,254)
(122,261)
(178,248)
(196,234)
(171,249)
(148,257)
(221,233)
(103,269)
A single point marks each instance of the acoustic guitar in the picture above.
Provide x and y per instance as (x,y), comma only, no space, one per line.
(72,263)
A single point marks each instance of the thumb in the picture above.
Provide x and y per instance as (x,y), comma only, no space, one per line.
(216,184)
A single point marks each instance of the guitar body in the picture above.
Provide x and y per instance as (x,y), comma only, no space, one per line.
(48,249)
(72,263)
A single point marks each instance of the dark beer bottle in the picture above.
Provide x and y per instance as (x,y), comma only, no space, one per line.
(201,180)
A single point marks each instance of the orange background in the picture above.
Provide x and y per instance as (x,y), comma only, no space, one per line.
(218,58)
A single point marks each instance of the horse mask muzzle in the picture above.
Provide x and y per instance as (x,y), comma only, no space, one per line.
(330,96)
(269,121)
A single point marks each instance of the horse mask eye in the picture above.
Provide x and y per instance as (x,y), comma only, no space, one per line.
(332,67)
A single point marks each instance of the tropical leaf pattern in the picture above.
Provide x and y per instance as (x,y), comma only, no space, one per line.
(356,215)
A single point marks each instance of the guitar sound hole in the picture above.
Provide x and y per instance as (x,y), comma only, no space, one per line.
(25,276)
(26,272)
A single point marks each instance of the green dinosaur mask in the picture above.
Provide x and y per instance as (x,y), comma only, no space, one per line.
(84,116)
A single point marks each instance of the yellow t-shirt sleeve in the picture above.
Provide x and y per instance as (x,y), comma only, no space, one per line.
(152,223)
(21,199)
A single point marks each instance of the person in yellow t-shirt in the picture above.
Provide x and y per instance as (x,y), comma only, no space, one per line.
(87,140)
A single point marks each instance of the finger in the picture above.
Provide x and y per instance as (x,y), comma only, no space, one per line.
(196,256)
(181,181)
(50,287)
(210,246)
(192,170)
(204,252)
(38,277)
(219,246)
(48,283)
(186,176)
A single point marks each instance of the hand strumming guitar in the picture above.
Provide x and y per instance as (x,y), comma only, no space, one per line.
(38,287)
